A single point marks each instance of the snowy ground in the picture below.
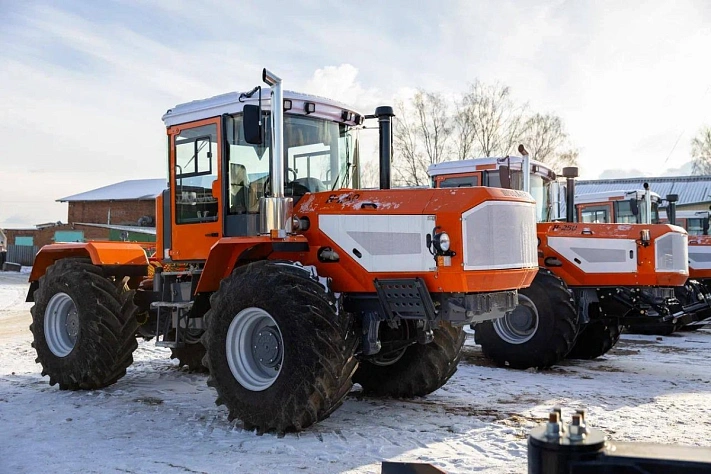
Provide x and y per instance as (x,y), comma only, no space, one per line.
(161,419)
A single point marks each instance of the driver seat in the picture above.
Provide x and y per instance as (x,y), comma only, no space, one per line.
(239,189)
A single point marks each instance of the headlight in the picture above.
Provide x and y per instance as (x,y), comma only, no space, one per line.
(441,241)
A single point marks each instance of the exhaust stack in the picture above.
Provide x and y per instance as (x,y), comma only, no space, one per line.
(275,211)
(671,208)
(525,169)
(570,173)
(385,115)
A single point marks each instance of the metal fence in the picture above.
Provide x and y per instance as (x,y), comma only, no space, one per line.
(22,254)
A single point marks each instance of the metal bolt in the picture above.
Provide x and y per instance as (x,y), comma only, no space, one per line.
(577,428)
(553,426)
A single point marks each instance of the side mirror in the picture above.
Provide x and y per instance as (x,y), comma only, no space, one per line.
(634,206)
(252,124)
(505,177)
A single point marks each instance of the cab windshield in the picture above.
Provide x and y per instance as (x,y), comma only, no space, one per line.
(318,156)
(624,214)
(540,190)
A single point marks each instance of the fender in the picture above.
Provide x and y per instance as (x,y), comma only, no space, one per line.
(119,258)
(228,252)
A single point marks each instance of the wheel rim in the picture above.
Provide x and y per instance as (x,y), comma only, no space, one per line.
(521,324)
(61,324)
(255,351)
(389,358)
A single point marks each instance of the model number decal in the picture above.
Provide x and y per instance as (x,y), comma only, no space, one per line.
(341,198)
(564,227)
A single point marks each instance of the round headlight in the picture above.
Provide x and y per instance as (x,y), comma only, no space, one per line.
(443,241)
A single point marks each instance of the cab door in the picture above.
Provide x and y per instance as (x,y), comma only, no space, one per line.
(195,189)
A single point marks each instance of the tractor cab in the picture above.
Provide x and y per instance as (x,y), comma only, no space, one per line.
(500,173)
(695,222)
(218,175)
(618,207)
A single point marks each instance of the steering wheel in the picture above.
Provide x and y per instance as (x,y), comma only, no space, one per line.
(291,188)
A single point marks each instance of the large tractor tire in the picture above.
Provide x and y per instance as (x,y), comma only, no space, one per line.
(280,349)
(83,326)
(538,333)
(416,371)
(595,340)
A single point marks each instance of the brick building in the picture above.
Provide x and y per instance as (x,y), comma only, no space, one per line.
(121,211)
(122,204)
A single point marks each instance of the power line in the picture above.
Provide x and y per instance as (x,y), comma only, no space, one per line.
(683,131)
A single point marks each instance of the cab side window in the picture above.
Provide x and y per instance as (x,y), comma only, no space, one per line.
(195,170)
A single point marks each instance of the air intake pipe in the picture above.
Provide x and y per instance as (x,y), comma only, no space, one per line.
(385,115)
(671,208)
(570,173)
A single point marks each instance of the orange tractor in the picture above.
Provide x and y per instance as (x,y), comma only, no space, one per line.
(275,270)
(593,279)
(642,206)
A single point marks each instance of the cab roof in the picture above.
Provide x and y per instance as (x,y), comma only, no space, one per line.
(614,196)
(230,103)
(489,163)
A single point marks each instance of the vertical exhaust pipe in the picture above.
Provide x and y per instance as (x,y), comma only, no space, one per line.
(385,115)
(275,212)
(647,203)
(277,106)
(671,208)
(570,173)
(525,169)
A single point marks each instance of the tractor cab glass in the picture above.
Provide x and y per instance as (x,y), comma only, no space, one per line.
(635,212)
(540,189)
(319,156)
(195,171)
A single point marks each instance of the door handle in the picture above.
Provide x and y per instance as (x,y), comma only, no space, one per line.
(212,234)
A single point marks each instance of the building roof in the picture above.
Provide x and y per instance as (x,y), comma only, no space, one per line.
(691,189)
(131,190)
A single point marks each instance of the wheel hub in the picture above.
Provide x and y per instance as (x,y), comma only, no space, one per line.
(521,324)
(61,324)
(266,348)
(254,349)
(522,319)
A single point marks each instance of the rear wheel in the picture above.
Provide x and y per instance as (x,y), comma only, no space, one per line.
(83,326)
(280,349)
(539,332)
(416,370)
(595,339)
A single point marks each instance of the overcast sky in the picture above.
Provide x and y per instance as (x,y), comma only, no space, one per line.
(83,85)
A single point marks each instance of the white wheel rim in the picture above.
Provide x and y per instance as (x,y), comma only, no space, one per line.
(255,349)
(61,324)
(521,324)
(388,359)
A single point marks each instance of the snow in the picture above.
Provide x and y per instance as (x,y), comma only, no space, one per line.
(161,419)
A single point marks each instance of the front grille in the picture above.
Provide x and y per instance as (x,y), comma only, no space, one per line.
(672,253)
(499,235)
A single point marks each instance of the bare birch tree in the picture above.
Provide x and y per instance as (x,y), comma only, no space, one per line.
(421,137)
(701,152)
(546,141)
(497,121)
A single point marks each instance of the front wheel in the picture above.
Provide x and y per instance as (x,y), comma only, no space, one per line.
(539,332)
(280,349)
(416,370)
